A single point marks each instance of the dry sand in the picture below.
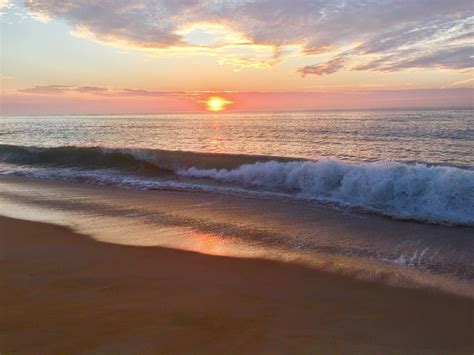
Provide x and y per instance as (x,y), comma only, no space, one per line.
(63,292)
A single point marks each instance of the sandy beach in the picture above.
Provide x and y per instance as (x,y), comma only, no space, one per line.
(236,177)
(63,292)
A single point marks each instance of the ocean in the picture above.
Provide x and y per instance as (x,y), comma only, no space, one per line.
(410,170)
(406,164)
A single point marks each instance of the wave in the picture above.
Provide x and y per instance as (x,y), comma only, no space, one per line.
(129,159)
(421,192)
(78,157)
(435,194)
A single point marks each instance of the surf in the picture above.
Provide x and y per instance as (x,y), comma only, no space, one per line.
(421,192)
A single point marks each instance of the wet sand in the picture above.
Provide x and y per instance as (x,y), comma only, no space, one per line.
(66,292)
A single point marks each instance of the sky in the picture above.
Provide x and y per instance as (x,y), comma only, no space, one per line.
(114,56)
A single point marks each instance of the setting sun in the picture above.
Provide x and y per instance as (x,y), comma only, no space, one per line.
(216,103)
(307,166)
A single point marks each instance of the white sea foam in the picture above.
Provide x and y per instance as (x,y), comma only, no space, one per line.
(437,194)
(429,193)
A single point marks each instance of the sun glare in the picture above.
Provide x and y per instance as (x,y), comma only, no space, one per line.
(216,103)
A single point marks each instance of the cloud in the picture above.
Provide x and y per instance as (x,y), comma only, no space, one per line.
(143,24)
(447,45)
(46,89)
(5,4)
(451,58)
(328,67)
(98,90)
(383,35)
(89,89)
(318,49)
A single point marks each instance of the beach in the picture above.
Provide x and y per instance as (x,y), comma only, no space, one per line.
(206,234)
(64,292)
(236,177)
(110,279)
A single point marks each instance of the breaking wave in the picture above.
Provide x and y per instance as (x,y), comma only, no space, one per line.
(435,194)
(429,193)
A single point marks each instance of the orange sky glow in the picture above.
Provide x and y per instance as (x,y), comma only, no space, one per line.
(281,56)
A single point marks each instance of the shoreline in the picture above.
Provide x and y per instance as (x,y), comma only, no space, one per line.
(346,184)
(362,246)
(67,291)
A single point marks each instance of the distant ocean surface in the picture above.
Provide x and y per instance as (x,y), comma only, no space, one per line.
(407,164)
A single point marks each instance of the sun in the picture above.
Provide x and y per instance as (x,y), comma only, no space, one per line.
(216,103)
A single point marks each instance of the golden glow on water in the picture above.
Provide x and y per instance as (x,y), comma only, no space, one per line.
(216,103)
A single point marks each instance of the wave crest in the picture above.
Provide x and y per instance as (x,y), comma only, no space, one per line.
(127,158)
(435,194)
(430,193)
